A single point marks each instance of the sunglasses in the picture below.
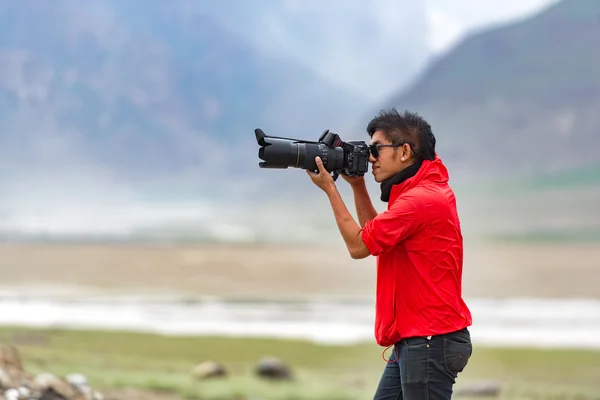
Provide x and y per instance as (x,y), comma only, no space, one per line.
(374,148)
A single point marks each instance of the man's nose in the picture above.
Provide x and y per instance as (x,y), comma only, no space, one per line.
(372,159)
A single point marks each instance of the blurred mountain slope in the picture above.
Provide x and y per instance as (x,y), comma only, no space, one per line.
(519,99)
(142,91)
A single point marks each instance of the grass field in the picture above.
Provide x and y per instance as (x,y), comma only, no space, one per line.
(159,367)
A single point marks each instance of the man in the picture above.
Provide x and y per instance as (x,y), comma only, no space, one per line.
(419,248)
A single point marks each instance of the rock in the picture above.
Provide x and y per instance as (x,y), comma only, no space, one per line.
(12,394)
(272,368)
(208,370)
(77,380)
(10,356)
(24,393)
(80,383)
(487,389)
(5,381)
(97,396)
(18,384)
(53,388)
(10,362)
(50,394)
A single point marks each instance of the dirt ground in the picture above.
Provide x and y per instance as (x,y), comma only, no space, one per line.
(290,271)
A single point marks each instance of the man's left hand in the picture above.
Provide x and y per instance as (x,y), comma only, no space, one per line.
(322,179)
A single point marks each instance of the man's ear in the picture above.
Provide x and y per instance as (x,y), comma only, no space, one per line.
(406,151)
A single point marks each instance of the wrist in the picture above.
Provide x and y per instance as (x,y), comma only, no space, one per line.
(359,183)
(331,189)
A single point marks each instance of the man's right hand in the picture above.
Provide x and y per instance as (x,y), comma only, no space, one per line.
(354,181)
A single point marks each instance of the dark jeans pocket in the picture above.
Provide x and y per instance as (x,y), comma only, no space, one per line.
(456,355)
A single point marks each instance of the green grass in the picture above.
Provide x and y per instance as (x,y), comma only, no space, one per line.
(144,361)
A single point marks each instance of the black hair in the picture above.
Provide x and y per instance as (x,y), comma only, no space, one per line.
(408,127)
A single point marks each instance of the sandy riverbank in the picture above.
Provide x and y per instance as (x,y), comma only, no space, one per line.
(497,270)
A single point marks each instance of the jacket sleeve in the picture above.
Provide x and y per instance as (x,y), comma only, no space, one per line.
(390,227)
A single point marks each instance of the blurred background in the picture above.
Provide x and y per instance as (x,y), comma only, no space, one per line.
(132,202)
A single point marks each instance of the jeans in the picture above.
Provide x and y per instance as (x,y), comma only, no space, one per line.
(422,368)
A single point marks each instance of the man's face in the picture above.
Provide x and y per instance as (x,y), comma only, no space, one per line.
(390,160)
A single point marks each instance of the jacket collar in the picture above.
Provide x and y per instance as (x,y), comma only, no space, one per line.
(430,171)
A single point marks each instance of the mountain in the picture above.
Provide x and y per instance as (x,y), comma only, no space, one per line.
(518,99)
(338,40)
(136,91)
(138,116)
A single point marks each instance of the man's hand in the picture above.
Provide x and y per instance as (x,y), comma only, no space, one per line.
(322,179)
(354,181)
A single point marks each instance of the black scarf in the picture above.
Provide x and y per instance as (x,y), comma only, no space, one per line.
(408,172)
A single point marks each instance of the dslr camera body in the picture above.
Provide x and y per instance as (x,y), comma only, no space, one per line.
(339,157)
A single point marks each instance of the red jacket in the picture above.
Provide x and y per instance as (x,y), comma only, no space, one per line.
(419,248)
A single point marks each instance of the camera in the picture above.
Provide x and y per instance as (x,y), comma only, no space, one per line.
(348,158)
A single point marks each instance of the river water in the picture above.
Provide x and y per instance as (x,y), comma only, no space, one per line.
(573,323)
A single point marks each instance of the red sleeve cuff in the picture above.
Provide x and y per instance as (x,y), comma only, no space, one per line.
(369,240)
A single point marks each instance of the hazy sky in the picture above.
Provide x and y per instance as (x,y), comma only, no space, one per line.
(449,20)
(372,47)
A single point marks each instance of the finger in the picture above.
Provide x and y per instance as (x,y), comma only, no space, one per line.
(320,164)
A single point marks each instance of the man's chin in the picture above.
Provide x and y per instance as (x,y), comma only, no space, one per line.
(380,178)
